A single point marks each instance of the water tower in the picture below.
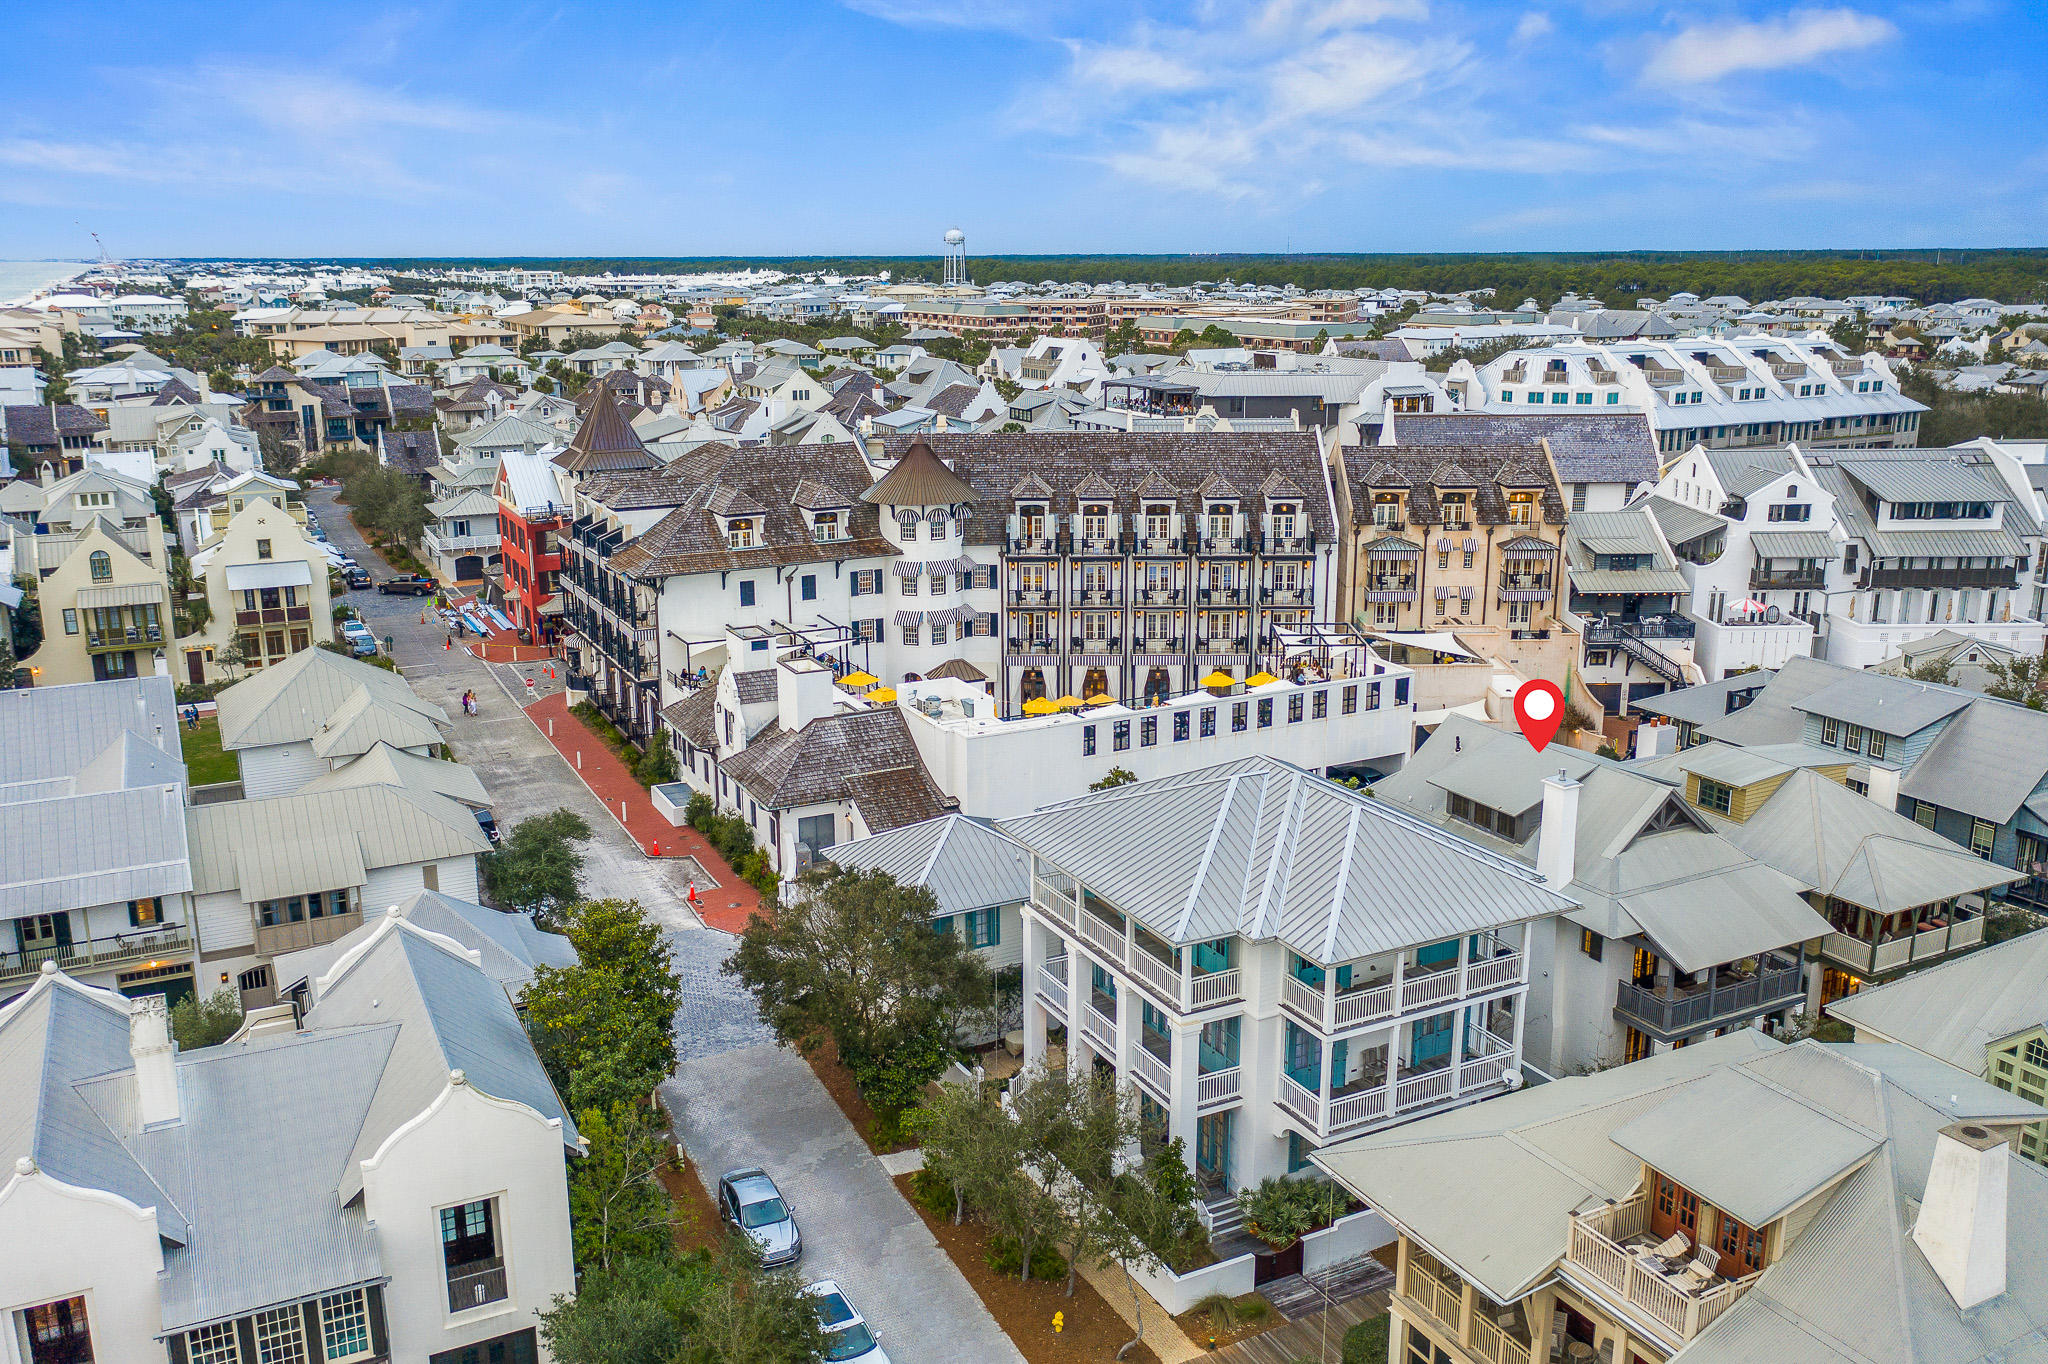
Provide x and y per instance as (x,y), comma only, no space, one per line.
(956,257)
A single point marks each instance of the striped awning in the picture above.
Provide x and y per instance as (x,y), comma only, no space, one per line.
(128,594)
(904,568)
(910,617)
(1527,547)
(1465,594)
(1389,596)
(1471,544)
(1393,547)
(1442,593)
(1443,543)
(1526,594)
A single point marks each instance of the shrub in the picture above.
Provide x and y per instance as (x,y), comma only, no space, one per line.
(206,1021)
(1280,1211)
(699,811)
(932,1193)
(1004,1258)
(1366,1343)
(658,764)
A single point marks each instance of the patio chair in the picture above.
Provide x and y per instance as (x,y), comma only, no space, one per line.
(1672,1247)
(1704,1269)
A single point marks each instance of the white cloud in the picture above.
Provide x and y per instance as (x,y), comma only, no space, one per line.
(1535,24)
(1707,52)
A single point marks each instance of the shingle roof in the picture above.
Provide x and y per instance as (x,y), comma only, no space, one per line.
(40,425)
(865,756)
(605,440)
(1603,447)
(919,479)
(1487,472)
(1198,463)
(690,539)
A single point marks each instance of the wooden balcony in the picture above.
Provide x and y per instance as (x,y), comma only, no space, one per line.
(92,954)
(275,939)
(1925,944)
(1441,1300)
(1680,1010)
(1600,1253)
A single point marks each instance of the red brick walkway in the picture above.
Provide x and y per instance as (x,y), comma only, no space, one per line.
(725,905)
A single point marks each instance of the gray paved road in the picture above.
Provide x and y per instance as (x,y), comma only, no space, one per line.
(761,1105)
(520,769)
(738,1098)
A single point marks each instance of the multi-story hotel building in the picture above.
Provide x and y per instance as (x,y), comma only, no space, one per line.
(1713,391)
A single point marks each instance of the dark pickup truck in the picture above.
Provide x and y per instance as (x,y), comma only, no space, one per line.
(408,584)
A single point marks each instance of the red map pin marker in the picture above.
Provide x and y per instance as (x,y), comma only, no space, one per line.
(1539,710)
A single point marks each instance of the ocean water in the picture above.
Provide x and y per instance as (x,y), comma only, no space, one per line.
(20,278)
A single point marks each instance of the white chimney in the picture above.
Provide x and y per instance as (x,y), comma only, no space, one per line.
(1557,840)
(1961,1229)
(156,1064)
(1884,786)
(803,692)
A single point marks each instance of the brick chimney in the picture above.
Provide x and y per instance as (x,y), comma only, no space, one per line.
(1962,1229)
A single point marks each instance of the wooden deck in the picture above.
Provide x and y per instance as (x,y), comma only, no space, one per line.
(1318,1337)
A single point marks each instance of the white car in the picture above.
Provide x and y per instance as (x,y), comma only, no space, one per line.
(848,1339)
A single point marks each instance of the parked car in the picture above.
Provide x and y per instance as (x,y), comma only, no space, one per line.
(848,1337)
(356,575)
(488,822)
(407,584)
(750,1202)
(357,636)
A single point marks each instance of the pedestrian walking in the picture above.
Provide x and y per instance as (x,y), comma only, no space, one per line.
(191,717)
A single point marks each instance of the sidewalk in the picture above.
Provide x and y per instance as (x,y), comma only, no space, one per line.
(1162,1332)
(726,905)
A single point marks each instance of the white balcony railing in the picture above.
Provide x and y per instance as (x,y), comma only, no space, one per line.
(1153,1071)
(1052,983)
(1595,1249)
(1103,937)
(1161,975)
(1343,1010)
(1214,988)
(1219,1086)
(1098,1027)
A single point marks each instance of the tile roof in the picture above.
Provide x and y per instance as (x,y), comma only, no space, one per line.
(1590,447)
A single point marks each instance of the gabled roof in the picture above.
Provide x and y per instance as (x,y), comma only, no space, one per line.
(383,765)
(1955,1009)
(296,699)
(1261,848)
(966,863)
(866,757)
(509,945)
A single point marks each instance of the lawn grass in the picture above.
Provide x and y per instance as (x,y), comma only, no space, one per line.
(205,763)
(1366,1343)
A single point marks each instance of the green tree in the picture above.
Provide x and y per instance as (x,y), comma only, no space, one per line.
(231,657)
(1123,338)
(538,865)
(1116,776)
(206,1021)
(968,1141)
(658,764)
(754,1318)
(852,955)
(696,1309)
(617,1205)
(2020,678)
(603,1027)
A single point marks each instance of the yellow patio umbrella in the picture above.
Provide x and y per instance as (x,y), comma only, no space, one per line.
(1260,679)
(1101,698)
(1220,678)
(859,680)
(1069,703)
(882,696)
(1038,705)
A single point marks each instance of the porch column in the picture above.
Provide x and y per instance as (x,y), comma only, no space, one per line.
(1464,961)
(1034,1011)
(1183,1097)
(1400,960)
(1393,1081)
(1328,1053)
(1329,996)
(1461,1023)
(1521,1011)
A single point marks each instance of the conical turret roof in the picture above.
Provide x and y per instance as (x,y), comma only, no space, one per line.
(605,441)
(920,479)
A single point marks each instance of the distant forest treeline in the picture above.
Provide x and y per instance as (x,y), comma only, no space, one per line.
(1617,278)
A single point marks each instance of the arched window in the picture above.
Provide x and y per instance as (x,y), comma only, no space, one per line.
(102,566)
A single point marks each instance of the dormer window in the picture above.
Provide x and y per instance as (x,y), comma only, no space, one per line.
(1456,510)
(1031,522)
(739,532)
(825,525)
(1283,521)
(1220,515)
(1386,510)
(1158,521)
(1522,509)
(1095,521)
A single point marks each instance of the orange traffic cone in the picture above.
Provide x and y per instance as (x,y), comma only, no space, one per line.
(656,846)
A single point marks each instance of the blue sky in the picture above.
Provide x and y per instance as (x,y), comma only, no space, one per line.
(764,127)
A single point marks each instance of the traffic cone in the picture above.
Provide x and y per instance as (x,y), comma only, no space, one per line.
(656,845)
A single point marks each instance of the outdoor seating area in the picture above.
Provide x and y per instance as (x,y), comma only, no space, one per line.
(1675,1259)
